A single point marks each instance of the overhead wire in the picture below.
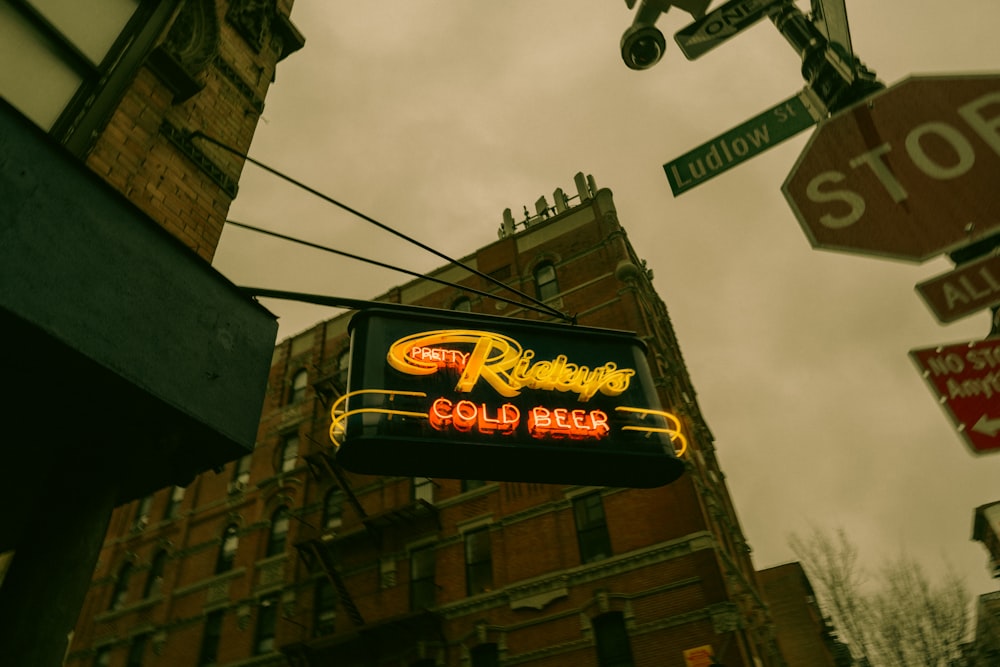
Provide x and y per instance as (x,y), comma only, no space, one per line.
(534,304)
(374,262)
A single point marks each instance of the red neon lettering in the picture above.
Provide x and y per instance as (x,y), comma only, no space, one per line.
(465,416)
(440,414)
(564,423)
(507,419)
(543,423)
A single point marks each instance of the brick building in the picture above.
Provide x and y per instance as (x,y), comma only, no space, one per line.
(283,557)
(136,364)
(804,636)
(984,648)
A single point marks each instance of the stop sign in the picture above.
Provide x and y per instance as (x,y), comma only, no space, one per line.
(908,173)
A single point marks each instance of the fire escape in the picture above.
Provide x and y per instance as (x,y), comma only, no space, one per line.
(325,552)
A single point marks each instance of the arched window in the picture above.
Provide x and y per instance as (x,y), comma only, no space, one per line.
(241,473)
(343,367)
(611,638)
(174,502)
(142,513)
(462,304)
(299,383)
(103,657)
(333,509)
(227,550)
(289,453)
(120,594)
(279,532)
(546,284)
(324,608)
(154,580)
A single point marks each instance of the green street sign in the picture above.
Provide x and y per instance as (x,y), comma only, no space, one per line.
(741,143)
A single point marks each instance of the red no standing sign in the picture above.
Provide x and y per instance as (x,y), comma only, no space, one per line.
(965,379)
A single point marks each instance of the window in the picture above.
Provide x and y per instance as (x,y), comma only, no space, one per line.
(422,489)
(343,368)
(70,46)
(209,653)
(137,650)
(267,619)
(103,657)
(478,561)
(470,484)
(387,571)
(324,608)
(227,551)
(591,528)
(241,472)
(423,590)
(611,637)
(299,383)
(154,580)
(546,285)
(289,453)
(462,304)
(484,655)
(279,532)
(174,502)
(333,509)
(142,513)
(120,593)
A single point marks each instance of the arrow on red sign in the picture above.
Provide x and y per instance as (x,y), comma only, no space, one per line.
(987,426)
(965,378)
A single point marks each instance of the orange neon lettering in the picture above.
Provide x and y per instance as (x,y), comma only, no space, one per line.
(465,416)
(439,415)
(507,419)
(563,423)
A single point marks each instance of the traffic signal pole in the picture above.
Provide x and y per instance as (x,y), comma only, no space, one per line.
(839,79)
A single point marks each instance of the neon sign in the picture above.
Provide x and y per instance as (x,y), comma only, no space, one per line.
(502,399)
(501,362)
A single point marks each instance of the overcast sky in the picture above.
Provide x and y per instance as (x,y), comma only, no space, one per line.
(433,117)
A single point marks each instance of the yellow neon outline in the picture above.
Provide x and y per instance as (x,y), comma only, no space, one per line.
(505,365)
(674,433)
(338,417)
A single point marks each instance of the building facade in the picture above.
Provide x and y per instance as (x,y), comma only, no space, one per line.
(804,635)
(984,648)
(110,211)
(284,557)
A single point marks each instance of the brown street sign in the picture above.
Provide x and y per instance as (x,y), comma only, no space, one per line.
(966,290)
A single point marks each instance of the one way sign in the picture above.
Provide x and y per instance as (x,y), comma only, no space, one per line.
(965,379)
(720,24)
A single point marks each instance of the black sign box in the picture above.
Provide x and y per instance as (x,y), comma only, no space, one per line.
(461,395)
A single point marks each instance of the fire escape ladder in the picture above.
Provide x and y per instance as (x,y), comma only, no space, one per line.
(346,486)
(318,552)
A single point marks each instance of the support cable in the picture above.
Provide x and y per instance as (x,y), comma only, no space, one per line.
(275,293)
(540,305)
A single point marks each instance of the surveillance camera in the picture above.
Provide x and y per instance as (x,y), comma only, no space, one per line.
(642,46)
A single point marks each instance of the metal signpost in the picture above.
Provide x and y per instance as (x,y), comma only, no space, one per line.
(908,173)
(834,78)
(742,142)
(965,378)
(719,25)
